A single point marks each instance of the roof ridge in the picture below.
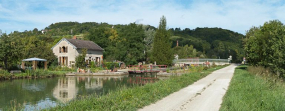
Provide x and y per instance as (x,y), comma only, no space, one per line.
(85,44)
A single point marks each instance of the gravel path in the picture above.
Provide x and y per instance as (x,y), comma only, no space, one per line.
(204,95)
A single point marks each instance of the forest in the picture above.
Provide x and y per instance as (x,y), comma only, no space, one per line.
(130,43)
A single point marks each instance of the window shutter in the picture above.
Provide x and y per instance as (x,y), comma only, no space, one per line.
(59,63)
(66,49)
(59,49)
(66,61)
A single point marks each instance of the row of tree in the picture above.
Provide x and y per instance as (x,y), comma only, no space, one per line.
(265,46)
(130,43)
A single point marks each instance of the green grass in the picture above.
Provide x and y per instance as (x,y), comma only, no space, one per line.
(5,75)
(136,97)
(254,92)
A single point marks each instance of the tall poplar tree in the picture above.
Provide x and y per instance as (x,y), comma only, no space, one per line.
(162,52)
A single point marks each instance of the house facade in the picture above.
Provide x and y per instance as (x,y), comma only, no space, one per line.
(66,50)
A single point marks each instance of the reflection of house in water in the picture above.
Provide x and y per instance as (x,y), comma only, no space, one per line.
(93,83)
(66,89)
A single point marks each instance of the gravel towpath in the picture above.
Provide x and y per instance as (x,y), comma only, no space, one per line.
(204,95)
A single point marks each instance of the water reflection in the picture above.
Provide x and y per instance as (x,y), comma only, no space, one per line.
(36,94)
(66,89)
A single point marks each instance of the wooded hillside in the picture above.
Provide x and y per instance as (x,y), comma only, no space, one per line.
(130,43)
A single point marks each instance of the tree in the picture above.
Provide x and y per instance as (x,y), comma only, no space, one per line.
(265,46)
(162,52)
(35,47)
(80,59)
(149,33)
(9,51)
(131,45)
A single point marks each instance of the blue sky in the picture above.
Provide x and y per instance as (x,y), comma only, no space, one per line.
(235,15)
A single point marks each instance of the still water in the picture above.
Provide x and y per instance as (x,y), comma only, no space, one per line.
(35,94)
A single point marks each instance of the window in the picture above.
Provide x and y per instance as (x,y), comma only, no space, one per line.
(63,49)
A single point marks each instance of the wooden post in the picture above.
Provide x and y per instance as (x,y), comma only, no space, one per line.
(34,65)
(23,65)
(45,65)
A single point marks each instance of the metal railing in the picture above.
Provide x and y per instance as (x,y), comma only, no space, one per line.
(201,60)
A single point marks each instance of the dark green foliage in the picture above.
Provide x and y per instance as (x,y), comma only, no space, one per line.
(10,50)
(186,52)
(131,47)
(111,65)
(80,60)
(210,42)
(99,36)
(265,46)
(162,52)
(126,43)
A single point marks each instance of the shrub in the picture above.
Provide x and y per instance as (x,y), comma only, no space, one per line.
(4,74)
(110,65)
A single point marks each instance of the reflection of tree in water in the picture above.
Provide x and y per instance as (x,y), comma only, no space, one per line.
(30,91)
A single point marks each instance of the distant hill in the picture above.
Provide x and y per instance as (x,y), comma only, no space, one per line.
(208,42)
(214,42)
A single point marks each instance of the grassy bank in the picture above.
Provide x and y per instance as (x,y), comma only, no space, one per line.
(254,92)
(5,75)
(137,96)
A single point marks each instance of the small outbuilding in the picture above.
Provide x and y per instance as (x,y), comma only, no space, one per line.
(35,62)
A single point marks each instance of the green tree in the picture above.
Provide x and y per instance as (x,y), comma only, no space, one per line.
(80,59)
(131,47)
(162,52)
(265,46)
(9,51)
(35,47)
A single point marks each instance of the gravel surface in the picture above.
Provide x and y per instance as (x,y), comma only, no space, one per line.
(204,95)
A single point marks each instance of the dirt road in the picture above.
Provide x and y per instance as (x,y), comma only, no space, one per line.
(204,95)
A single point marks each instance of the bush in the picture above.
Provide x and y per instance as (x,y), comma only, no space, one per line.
(4,74)
(205,68)
(61,68)
(96,69)
(110,65)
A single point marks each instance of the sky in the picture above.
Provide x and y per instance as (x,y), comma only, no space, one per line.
(236,15)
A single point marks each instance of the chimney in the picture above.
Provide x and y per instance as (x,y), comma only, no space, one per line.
(177,43)
(74,37)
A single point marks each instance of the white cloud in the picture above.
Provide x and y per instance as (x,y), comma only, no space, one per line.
(238,16)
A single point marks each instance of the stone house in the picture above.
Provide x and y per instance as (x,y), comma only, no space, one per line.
(66,50)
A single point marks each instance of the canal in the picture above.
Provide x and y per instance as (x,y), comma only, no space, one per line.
(35,94)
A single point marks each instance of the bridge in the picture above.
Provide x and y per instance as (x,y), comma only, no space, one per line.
(137,69)
(198,61)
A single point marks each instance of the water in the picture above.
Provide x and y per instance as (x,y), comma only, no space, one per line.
(36,94)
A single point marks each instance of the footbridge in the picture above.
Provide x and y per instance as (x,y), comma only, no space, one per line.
(198,61)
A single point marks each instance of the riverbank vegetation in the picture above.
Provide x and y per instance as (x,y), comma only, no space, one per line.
(254,88)
(137,96)
(265,45)
(38,73)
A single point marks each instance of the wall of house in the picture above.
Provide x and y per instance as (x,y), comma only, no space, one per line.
(71,52)
(92,55)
